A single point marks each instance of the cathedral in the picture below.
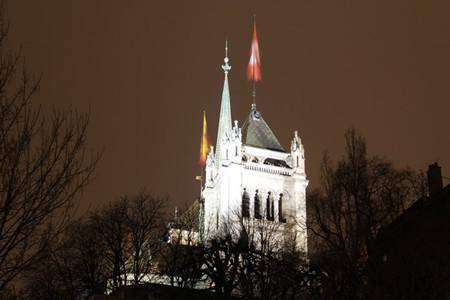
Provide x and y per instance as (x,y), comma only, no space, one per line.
(250,177)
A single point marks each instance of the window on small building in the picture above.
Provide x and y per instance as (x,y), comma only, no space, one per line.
(245,204)
(257,206)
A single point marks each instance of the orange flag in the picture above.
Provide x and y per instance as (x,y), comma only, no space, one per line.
(254,65)
(204,145)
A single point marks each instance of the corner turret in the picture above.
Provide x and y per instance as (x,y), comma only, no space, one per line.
(297,154)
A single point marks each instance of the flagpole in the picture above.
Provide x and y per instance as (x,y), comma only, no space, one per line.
(254,81)
(203,158)
(254,95)
(202,171)
(253,71)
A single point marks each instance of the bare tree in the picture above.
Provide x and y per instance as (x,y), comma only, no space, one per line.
(261,242)
(87,258)
(47,279)
(222,261)
(111,225)
(257,259)
(43,166)
(358,196)
(131,229)
(145,220)
(181,256)
(271,265)
(101,251)
(73,268)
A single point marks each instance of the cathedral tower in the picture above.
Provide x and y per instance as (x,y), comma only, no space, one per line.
(251,179)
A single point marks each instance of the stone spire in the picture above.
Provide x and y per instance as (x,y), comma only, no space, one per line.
(225,109)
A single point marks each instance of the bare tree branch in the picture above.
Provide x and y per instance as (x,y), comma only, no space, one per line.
(43,166)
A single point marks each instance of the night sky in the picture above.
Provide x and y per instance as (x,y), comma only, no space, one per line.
(147,69)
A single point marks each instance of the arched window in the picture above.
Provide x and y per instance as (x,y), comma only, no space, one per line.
(269,207)
(257,206)
(275,162)
(245,204)
(281,218)
(217,220)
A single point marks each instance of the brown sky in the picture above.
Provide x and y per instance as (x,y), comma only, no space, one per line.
(148,68)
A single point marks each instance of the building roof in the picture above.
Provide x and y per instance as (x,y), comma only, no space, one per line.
(256,133)
(414,248)
(188,218)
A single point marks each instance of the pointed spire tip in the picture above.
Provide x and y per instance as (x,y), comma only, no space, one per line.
(226,48)
(226,67)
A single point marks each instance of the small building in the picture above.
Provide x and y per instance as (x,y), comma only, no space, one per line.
(410,258)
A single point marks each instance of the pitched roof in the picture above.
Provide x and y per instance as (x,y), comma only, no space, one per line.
(188,219)
(256,133)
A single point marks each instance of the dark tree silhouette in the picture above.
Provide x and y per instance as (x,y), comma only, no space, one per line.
(271,265)
(358,196)
(73,268)
(145,221)
(257,259)
(112,229)
(132,229)
(221,258)
(181,256)
(43,166)
(98,252)
(260,248)
(87,258)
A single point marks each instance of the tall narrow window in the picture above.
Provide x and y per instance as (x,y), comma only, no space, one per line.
(245,204)
(269,207)
(297,162)
(217,220)
(281,218)
(272,209)
(257,206)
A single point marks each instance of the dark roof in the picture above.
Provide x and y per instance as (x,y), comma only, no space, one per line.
(414,248)
(188,218)
(256,133)
(418,214)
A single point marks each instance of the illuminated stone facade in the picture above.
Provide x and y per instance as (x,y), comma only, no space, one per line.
(249,176)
